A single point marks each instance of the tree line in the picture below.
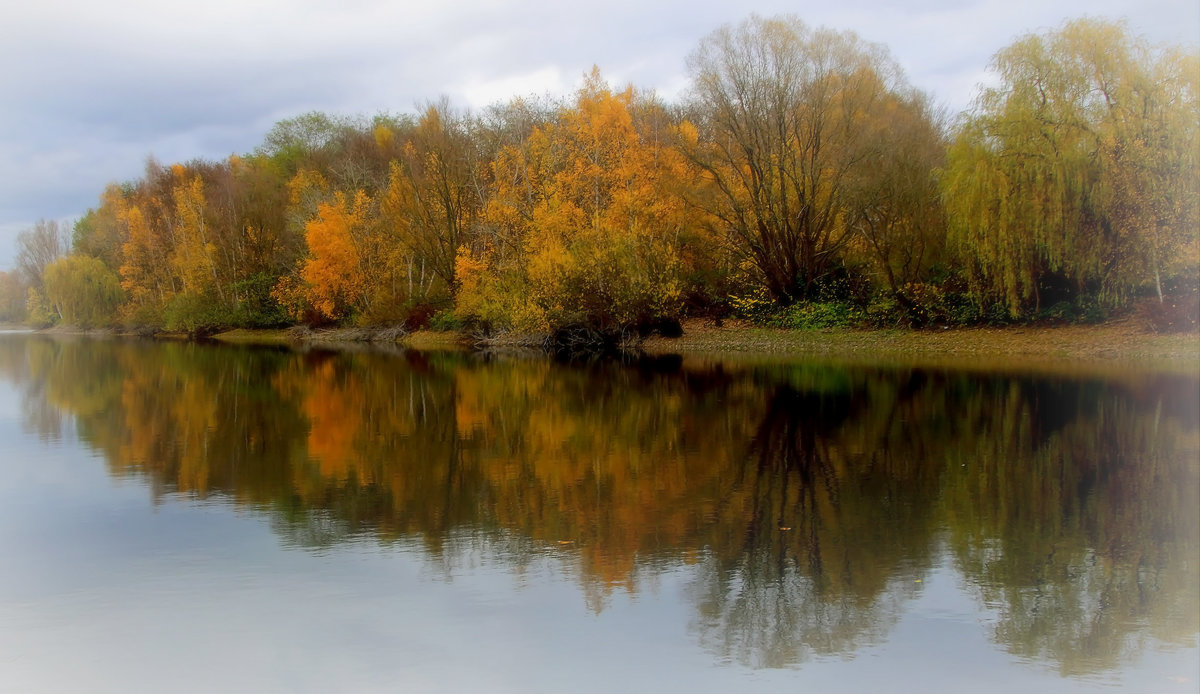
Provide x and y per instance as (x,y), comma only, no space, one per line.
(802,179)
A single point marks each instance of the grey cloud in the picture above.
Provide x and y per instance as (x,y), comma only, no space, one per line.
(90,91)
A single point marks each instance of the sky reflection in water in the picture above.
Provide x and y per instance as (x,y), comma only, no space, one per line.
(193,518)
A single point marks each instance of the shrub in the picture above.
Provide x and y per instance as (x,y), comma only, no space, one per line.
(756,305)
(818,315)
(196,314)
(256,307)
(445,321)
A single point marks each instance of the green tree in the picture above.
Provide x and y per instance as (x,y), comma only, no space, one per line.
(12,298)
(83,291)
(895,208)
(1081,163)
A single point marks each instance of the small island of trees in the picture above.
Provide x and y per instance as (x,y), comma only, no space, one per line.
(802,182)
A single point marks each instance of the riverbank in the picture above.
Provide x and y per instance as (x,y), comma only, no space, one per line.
(1116,344)
(1108,344)
(419,340)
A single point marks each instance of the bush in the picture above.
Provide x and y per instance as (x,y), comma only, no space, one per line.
(445,321)
(1082,309)
(755,305)
(818,315)
(256,307)
(885,312)
(195,314)
(418,316)
(961,309)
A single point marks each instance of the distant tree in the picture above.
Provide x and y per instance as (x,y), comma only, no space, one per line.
(37,247)
(83,291)
(12,297)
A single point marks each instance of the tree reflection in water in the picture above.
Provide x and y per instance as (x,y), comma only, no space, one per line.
(805,501)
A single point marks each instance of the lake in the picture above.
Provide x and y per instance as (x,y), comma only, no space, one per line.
(184,517)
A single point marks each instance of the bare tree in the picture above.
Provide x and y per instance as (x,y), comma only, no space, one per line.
(782,110)
(39,246)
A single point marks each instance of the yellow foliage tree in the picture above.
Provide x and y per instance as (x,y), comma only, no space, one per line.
(1083,164)
(193,254)
(144,271)
(83,291)
(433,200)
(586,230)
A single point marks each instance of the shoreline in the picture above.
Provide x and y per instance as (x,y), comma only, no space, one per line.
(1105,346)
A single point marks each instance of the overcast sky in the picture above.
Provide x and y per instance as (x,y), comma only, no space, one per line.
(91,89)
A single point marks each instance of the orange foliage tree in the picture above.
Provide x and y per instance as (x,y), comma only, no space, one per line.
(329,278)
(583,228)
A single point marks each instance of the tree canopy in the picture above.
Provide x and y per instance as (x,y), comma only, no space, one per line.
(1081,164)
(802,169)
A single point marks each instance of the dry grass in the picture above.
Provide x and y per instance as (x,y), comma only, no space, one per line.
(1109,346)
(1106,345)
(431,340)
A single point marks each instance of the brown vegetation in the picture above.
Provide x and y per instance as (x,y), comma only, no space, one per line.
(1123,341)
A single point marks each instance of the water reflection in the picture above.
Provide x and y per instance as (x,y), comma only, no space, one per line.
(806,502)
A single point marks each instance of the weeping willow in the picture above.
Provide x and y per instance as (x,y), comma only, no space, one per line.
(1081,162)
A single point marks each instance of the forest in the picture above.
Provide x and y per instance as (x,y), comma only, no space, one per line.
(802,182)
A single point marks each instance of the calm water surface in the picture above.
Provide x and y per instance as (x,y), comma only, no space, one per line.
(189,518)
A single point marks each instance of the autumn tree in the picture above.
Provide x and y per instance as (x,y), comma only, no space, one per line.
(146,269)
(37,247)
(83,291)
(1081,164)
(193,256)
(783,133)
(329,279)
(584,230)
(12,297)
(434,198)
(894,206)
